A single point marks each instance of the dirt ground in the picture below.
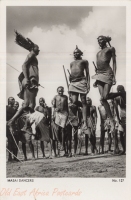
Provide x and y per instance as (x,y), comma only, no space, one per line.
(103,166)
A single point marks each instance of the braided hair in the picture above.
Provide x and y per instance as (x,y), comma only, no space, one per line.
(78,50)
(26,43)
(105,38)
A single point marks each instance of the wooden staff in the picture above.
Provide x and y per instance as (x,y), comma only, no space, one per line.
(66,78)
(19,71)
(95,66)
(14,140)
(37,148)
(13,155)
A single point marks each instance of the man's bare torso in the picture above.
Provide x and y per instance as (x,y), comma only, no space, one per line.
(77,68)
(103,59)
(61,102)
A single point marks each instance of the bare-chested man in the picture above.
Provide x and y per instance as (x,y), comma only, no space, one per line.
(16,105)
(10,112)
(43,129)
(91,124)
(105,75)
(28,79)
(80,82)
(121,103)
(59,117)
(73,122)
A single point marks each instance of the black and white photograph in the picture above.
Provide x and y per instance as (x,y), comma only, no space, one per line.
(65,92)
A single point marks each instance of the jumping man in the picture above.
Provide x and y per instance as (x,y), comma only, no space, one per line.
(28,79)
(80,82)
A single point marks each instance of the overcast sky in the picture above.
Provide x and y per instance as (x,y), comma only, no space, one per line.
(57,31)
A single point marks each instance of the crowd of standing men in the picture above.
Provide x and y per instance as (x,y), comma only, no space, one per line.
(67,121)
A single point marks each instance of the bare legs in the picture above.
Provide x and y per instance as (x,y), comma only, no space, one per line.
(86,144)
(92,142)
(63,138)
(109,140)
(74,97)
(104,90)
(54,144)
(102,138)
(24,151)
(42,148)
(123,139)
(75,140)
(84,110)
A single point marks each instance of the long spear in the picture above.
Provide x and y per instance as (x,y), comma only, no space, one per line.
(37,147)
(19,72)
(13,155)
(95,66)
(14,140)
(66,78)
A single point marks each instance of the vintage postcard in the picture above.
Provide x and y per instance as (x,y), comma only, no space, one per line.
(64,77)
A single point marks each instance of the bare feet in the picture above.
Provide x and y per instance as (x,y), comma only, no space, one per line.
(122,153)
(44,157)
(70,155)
(109,151)
(96,151)
(33,158)
(101,152)
(74,155)
(10,159)
(49,157)
(25,159)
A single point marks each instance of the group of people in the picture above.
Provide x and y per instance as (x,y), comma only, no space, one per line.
(66,121)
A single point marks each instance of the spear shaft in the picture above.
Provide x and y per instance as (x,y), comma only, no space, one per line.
(66,78)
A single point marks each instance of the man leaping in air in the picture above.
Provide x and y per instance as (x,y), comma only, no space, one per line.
(105,76)
(80,82)
(28,79)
